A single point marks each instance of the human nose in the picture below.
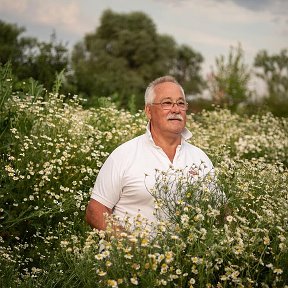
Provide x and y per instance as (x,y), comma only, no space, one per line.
(175,106)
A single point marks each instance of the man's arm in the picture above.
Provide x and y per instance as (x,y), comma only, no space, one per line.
(95,214)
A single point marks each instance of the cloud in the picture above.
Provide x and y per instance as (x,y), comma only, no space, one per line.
(57,14)
(9,6)
(274,6)
(252,5)
(277,9)
(62,15)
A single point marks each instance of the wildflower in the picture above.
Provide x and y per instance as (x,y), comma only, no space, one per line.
(136,266)
(266,240)
(281,238)
(235,274)
(194,269)
(174,237)
(128,249)
(223,278)
(128,256)
(134,280)
(282,246)
(194,259)
(132,239)
(184,218)
(229,218)
(238,249)
(168,256)
(199,217)
(64,243)
(108,263)
(173,276)
(112,283)
(144,242)
(147,265)
(101,273)
(277,271)
(160,258)
(192,281)
(203,231)
(105,254)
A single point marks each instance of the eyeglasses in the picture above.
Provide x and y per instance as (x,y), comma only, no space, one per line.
(167,104)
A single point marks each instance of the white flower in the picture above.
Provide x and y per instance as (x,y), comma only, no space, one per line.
(184,218)
(278,271)
(134,280)
(266,240)
(229,218)
(101,273)
(192,281)
(112,283)
(99,256)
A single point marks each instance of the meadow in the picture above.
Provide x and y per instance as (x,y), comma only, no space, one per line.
(51,151)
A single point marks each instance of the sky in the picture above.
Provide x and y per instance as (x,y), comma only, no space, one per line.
(211,27)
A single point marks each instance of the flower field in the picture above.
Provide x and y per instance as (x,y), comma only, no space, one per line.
(51,151)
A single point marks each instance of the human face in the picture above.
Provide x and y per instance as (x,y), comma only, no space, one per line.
(166,122)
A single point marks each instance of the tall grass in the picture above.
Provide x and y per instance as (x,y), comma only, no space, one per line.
(51,151)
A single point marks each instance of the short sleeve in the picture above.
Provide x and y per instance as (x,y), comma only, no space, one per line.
(108,185)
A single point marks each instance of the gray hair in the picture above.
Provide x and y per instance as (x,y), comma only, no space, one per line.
(150,93)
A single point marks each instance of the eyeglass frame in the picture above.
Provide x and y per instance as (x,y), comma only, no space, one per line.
(185,108)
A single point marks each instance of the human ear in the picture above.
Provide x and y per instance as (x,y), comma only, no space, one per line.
(148,111)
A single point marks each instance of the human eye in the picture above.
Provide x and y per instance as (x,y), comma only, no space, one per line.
(181,103)
(166,103)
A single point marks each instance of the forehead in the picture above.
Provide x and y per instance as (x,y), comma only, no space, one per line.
(168,90)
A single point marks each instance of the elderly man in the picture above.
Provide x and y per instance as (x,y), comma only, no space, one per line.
(123,183)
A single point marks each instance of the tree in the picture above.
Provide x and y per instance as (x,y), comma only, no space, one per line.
(186,69)
(228,85)
(31,58)
(43,61)
(11,47)
(274,71)
(122,56)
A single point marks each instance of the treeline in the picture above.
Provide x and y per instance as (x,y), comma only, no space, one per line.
(125,52)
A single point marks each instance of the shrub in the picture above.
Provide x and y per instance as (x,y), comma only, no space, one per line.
(51,151)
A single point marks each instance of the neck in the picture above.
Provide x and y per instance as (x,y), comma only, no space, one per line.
(168,143)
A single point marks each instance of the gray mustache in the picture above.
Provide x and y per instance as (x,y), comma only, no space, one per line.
(174,116)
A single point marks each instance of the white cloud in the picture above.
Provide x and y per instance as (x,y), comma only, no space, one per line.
(62,15)
(13,6)
(56,14)
(209,26)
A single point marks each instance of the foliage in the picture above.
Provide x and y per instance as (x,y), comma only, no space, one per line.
(186,69)
(228,84)
(31,58)
(53,151)
(125,53)
(11,47)
(274,72)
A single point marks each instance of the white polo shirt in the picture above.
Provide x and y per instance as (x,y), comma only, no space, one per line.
(128,174)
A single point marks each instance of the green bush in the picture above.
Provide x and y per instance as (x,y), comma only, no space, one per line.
(51,151)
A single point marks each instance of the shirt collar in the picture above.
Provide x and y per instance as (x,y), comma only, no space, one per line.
(186,134)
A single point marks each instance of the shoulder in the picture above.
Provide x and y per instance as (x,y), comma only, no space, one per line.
(128,148)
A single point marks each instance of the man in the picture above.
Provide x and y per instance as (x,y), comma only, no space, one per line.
(124,182)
